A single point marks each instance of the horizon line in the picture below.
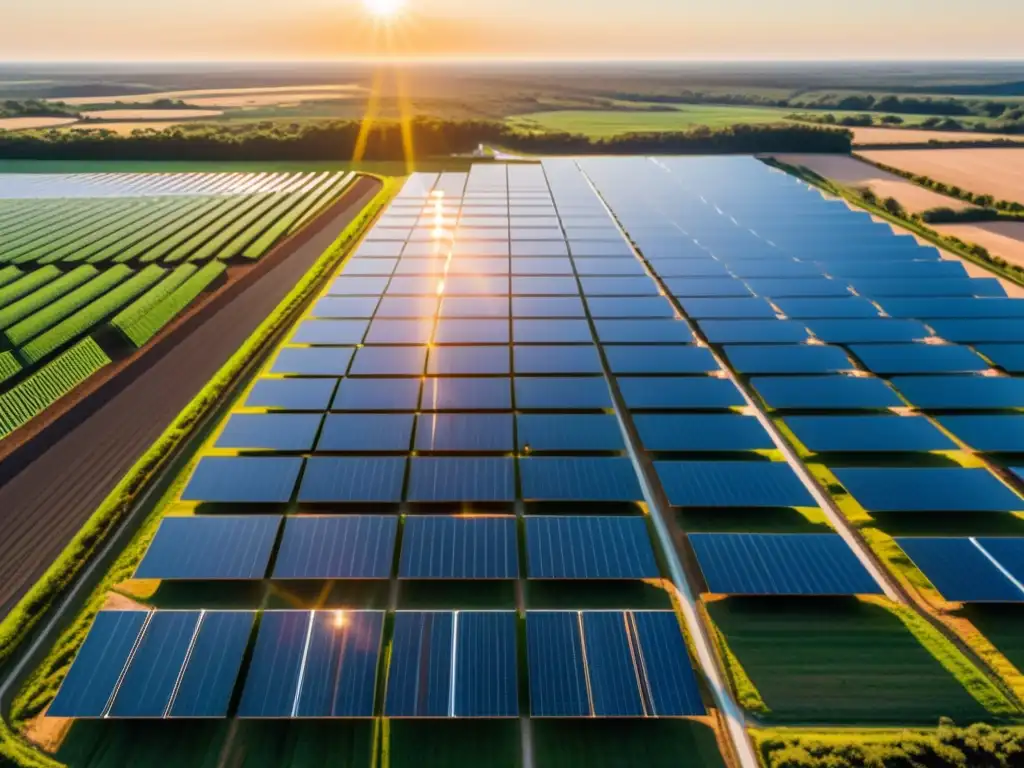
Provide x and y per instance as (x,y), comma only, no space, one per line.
(529,59)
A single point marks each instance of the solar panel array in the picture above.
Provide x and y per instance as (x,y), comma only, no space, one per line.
(523,372)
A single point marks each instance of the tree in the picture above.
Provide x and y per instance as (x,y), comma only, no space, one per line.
(893,206)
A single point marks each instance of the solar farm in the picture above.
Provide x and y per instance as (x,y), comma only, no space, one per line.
(577,462)
(94,266)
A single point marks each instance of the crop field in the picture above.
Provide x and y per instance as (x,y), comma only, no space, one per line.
(573,462)
(998,172)
(910,136)
(105,262)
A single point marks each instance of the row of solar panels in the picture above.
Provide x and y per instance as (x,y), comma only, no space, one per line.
(974,569)
(363,547)
(325,664)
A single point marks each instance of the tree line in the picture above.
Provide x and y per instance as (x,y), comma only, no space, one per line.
(338,140)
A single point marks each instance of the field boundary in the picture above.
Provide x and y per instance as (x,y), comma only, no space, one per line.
(126,500)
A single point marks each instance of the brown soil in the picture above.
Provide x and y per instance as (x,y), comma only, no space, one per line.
(26,123)
(912,136)
(56,471)
(1000,238)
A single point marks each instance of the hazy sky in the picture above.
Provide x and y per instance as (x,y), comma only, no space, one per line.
(605,29)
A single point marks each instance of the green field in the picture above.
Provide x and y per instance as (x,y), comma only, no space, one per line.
(839,661)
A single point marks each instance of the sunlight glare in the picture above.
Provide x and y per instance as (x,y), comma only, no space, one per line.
(384,8)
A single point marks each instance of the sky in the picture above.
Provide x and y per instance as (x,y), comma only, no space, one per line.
(258,30)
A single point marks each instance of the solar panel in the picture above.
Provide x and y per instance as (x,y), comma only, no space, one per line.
(352,479)
(594,547)
(551,331)
(706,287)
(702,432)
(872,331)
(210,548)
(556,359)
(420,671)
(671,685)
(270,431)
(753,331)
(312,361)
(877,434)
(94,675)
(804,287)
(706,267)
(331,332)
(388,331)
(630,307)
(349,547)
(547,306)
(360,286)
(996,434)
(786,359)
(214,661)
(669,359)
(291,394)
(474,306)
(461,479)
(965,569)
(732,484)
(483,394)
(558,681)
(926,308)
(940,286)
(713,309)
(236,479)
(780,564)
(389,361)
(569,433)
(465,432)
(468,361)
(961,392)
(684,393)
(479,331)
(459,548)
(969,331)
(550,393)
(643,332)
(148,683)
(806,309)
(613,675)
(377,395)
(579,479)
(366,433)
(545,286)
(931,489)
(887,359)
(1009,357)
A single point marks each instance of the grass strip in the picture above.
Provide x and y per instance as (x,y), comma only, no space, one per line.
(33,281)
(50,315)
(91,315)
(144,327)
(50,383)
(45,295)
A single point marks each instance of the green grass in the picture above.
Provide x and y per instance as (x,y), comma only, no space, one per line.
(849,661)
(296,217)
(8,275)
(1003,625)
(143,328)
(9,365)
(50,383)
(451,744)
(620,743)
(46,295)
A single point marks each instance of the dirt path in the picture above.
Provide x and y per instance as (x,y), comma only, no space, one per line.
(44,505)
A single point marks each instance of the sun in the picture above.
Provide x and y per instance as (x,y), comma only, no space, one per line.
(384,9)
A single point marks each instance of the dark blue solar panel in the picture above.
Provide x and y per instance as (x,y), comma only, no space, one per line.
(670,682)
(610,662)
(799,287)
(931,489)
(210,548)
(371,480)
(687,393)
(366,433)
(408,306)
(547,393)
(960,570)
(386,331)
(675,358)
(891,269)
(90,683)
(231,479)
(467,394)
(881,434)
(338,332)
(339,677)
(468,361)
(312,361)
(702,432)
(1009,357)
(712,309)
(780,564)
(579,479)
(753,331)
(148,683)
(420,671)
(475,306)
(213,664)
(459,548)
(880,330)
(556,359)
(486,681)
(465,432)
(359,286)
(773,268)
(349,547)
(805,309)
(569,433)
(609,266)
(558,682)
(389,361)
(478,331)
(551,332)
(994,434)
(630,307)
(593,547)
(786,359)
(706,287)
(1010,554)
(980,330)
(545,286)
(643,332)
(825,393)
(529,306)
(377,395)
(541,266)
(732,484)
(461,479)
(332,306)
(941,286)
(927,308)
(706,267)
(619,286)
(888,359)
(272,431)
(961,392)
(291,394)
